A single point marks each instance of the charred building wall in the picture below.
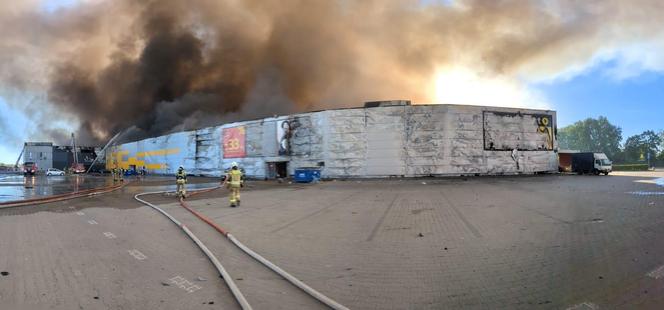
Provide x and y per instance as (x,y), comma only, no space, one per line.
(393,141)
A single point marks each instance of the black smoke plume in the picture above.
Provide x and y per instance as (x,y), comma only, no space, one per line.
(165,65)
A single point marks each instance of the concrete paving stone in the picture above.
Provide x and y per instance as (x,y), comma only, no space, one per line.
(538,231)
(58,261)
(521,242)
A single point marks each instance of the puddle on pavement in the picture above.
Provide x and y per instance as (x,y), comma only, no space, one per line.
(646,193)
(17,187)
(38,186)
(659,181)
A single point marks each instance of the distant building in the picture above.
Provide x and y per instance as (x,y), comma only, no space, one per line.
(46,155)
(40,153)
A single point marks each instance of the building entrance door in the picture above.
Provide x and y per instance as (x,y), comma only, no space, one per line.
(276,170)
(282,169)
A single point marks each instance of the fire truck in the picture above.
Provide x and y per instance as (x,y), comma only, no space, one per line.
(29,168)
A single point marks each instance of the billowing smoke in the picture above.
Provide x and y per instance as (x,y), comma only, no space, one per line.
(166,65)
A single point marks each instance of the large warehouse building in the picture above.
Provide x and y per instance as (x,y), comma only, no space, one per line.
(383,139)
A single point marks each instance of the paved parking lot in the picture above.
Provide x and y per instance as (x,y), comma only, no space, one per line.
(513,242)
(545,242)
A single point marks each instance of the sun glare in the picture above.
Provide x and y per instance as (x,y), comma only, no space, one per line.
(463,86)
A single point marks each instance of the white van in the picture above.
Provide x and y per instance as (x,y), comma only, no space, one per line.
(53,171)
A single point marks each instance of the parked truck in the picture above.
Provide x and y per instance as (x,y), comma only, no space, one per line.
(584,162)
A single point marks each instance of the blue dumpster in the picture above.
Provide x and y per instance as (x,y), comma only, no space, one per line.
(307,175)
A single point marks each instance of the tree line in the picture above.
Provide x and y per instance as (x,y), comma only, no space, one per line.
(599,135)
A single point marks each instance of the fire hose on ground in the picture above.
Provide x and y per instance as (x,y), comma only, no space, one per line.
(222,271)
(236,292)
(225,275)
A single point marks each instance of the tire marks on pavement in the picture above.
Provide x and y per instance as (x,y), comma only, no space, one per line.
(382,218)
(463,219)
(302,218)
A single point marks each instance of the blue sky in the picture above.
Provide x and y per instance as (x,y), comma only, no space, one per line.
(635,104)
(12,132)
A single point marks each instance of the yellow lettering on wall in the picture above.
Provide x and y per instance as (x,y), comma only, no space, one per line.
(157,153)
(115,159)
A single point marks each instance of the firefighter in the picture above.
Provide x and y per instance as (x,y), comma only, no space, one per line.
(117,174)
(233,181)
(181,180)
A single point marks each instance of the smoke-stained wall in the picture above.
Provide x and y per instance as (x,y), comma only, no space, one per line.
(419,140)
(161,155)
(424,140)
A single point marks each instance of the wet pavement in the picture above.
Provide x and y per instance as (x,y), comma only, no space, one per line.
(17,186)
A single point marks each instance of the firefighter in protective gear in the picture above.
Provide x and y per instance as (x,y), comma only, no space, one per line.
(234,181)
(181,180)
(118,174)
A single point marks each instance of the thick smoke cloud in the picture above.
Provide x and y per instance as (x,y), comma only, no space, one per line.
(161,66)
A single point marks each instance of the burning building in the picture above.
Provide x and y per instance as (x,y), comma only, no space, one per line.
(382,139)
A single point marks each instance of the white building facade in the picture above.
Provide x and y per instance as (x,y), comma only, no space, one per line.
(384,141)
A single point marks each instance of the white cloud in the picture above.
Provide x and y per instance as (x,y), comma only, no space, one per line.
(459,85)
(633,60)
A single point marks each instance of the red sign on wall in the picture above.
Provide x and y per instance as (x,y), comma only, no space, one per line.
(233,141)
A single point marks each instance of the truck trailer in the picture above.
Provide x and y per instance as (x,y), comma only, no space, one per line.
(584,162)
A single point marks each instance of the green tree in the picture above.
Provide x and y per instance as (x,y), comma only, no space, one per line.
(638,147)
(592,135)
(660,158)
(632,149)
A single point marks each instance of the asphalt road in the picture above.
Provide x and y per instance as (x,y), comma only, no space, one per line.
(530,242)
